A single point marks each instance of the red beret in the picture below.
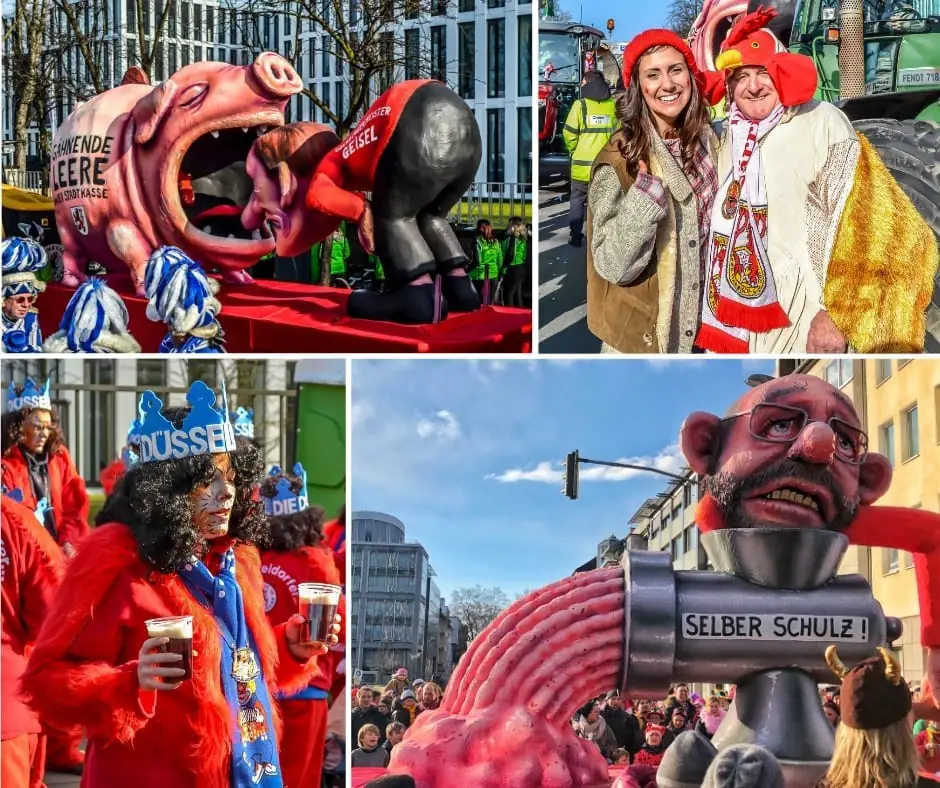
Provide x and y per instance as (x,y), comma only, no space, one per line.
(658,38)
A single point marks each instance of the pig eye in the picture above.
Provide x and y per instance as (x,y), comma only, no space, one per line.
(193,95)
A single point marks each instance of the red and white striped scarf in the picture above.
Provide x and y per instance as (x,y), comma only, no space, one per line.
(740,296)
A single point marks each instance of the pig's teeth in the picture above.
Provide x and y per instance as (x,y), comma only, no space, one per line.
(256,235)
(215,134)
(245,129)
(230,235)
(207,229)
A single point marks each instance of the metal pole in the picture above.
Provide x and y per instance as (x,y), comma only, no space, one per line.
(427,615)
(672,476)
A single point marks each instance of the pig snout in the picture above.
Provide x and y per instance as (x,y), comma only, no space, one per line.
(276,75)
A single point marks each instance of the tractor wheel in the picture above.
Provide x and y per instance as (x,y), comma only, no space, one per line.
(911,150)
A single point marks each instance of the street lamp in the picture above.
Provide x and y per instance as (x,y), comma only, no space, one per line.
(572,479)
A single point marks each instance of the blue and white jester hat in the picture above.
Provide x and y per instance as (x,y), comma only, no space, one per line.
(23,259)
(243,421)
(32,396)
(285,500)
(205,430)
(95,321)
(180,293)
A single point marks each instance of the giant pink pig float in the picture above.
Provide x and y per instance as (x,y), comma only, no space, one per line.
(139,167)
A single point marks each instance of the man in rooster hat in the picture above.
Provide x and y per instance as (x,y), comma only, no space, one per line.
(813,245)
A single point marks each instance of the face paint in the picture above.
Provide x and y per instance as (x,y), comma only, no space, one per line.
(212,504)
(37,427)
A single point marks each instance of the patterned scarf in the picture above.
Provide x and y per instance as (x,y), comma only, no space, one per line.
(254,749)
(740,295)
(23,335)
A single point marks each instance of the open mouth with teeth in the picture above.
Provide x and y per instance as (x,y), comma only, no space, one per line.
(792,503)
(213,185)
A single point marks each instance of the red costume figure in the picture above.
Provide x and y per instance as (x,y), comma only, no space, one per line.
(37,463)
(295,555)
(30,572)
(798,434)
(170,527)
(33,451)
(417,150)
(334,532)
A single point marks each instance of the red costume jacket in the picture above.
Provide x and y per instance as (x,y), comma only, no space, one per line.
(30,571)
(66,489)
(283,572)
(84,668)
(350,167)
(334,532)
(913,530)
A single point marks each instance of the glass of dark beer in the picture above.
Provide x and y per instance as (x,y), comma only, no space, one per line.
(179,630)
(318,603)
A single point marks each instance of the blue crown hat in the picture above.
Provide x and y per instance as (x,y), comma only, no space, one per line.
(205,430)
(23,259)
(243,421)
(30,397)
(179,292)
(133,433)
(285,500)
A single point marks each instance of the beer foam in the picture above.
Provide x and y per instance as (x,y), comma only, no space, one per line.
(175,628)
(318,597)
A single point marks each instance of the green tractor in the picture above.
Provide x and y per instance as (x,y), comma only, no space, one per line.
(879,62)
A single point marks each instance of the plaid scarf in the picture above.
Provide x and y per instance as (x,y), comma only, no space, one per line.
(740,295)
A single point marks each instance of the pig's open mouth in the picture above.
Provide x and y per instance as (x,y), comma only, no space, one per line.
(213,185)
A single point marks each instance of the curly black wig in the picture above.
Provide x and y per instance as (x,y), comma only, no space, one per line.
(153,500)
(288,532)
(11,431)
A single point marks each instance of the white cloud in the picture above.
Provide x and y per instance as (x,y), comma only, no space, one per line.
(443,426)
(669,459)
(360,413)
(661,363)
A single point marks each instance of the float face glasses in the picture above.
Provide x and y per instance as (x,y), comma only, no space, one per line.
(784,424)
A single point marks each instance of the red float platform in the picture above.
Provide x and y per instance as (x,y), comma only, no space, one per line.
(362,775)
(288,317)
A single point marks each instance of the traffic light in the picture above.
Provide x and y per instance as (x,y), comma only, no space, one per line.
(571,476)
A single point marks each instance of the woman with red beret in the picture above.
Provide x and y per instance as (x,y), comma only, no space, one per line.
(649,203)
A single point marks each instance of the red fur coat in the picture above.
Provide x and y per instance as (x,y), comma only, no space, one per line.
(84,669)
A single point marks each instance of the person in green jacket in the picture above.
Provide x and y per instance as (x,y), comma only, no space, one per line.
(487,262)
(333,256)
(515,247)
(379,275)
(589,126)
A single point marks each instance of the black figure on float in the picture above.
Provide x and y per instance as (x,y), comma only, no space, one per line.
(417,150)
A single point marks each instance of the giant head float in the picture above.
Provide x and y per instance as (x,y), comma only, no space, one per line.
(139,167)
(788,482)
(714,22)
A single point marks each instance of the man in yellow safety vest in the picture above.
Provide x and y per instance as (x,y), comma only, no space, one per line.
(589,126)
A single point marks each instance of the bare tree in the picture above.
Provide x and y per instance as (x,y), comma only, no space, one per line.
(681,15)
(23,44)
(354,40)
(477,607)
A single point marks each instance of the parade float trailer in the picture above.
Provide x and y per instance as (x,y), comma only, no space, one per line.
(140,167)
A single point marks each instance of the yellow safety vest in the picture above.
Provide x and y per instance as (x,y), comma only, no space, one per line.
(587,130)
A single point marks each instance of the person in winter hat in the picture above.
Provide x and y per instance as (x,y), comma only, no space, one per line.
(874,741)
(183,297)
(651,753)
(744,766)
(788,272)
(23,259)
(95,321)
(409,709)
(649,202)
(686,761)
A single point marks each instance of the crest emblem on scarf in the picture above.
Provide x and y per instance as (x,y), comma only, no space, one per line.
(745,273)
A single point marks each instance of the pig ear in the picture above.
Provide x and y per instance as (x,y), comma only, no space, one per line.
(151,109)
